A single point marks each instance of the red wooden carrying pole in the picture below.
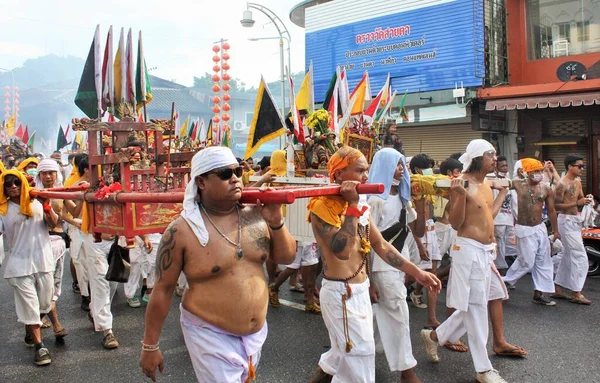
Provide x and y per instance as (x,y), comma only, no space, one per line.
(283,196)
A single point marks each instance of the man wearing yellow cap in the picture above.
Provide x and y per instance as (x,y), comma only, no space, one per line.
(533,247)
(345,235)
(29,263)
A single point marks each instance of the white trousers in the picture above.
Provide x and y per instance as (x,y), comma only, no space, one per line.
(445,236)
(142,266)
(533,250)
(58,250)
(219,356)
(358,365)
(505,238)
(574,266)
(33,296)
(468,293)
(78,255)
(102,291)
(392,320)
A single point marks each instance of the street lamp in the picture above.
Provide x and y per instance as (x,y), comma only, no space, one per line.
(247,21)
(289,65)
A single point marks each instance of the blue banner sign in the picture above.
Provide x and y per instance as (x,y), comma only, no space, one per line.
(423,49)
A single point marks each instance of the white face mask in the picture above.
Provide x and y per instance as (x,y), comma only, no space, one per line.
(427,172)
(538,177)
(395,182)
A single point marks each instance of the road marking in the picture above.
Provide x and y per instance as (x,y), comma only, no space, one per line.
(291,304)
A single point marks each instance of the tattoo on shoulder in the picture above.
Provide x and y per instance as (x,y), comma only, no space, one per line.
(323,227)
(164,256)
(394,259)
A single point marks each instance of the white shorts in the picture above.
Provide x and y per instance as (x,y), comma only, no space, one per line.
(306,255)
(445,236)
(430,240)
(33,296)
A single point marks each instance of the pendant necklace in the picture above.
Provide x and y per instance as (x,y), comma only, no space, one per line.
(238,246)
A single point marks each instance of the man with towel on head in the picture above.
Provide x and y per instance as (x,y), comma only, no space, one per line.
(533,247)
(221,247)
(471,214)
(345,234)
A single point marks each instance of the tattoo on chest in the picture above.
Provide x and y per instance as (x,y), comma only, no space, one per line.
(263,243)
(164,256)
(572,189)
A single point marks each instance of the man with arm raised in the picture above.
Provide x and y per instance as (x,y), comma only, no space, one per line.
(345,235)
(223,313)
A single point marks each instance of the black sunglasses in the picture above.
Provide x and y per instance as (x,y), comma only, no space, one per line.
(10,183)
(226,174)
(581,167)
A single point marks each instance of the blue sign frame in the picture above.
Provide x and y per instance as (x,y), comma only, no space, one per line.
(425,49)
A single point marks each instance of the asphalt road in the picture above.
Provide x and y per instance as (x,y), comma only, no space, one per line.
(563,344)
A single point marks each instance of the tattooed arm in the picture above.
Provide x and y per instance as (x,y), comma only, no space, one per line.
(340,241)
(550,198)
(392,257)
(169,264)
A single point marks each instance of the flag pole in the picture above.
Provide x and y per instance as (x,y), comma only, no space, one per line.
(145,131)
(169,152)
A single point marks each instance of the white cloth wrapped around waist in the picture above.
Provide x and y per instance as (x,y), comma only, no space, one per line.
(569,223)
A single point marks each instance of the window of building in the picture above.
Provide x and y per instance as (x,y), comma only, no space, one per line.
(562,28)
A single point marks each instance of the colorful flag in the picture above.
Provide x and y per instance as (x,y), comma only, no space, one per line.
(108,74)
(378,102)
(130,71)
(209,133)
(226,138)
(184,128)
(25,137)
(19,132)
(9,126)
(120,76)
(343,90)
(89,93)
(143,90)
(31,141)
(305,99)
(77,142)
(296,119)
(61,140)
(267,122)
(333,87)
(361,94)
(389,104)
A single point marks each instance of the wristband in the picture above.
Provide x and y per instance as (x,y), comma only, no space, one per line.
(150,347)
(355,212)
(47,207)
(277,227)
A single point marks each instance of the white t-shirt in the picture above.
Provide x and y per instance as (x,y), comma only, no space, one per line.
(26,242)
(507,214)
(386,213)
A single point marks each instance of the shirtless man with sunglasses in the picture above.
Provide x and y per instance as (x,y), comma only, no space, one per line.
(221,247)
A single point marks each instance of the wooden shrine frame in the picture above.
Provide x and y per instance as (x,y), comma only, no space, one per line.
(364,144)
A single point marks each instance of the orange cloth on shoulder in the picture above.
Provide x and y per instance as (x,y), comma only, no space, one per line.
(531,165)
(342,159)
(25,202)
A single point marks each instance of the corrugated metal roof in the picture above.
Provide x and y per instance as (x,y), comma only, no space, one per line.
(542,102)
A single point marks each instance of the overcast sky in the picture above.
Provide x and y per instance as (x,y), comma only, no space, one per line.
(178,34)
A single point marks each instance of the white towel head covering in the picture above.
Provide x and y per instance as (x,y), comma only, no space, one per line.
(475,149)
(204,161)
(518,165)
(48,165)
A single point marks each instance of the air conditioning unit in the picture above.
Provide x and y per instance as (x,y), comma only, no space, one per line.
(239,126)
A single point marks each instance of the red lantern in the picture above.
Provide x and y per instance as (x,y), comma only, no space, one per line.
(226,128)
(226,45)
(226,77)
(216,48)
(226,117)
(216,100)
(216,109)
(225,56)
(217,68)
(216,59)
(226,97)
(226,87)
(226,107)
(216,78)
(225,66)
(216,119)
(216,88)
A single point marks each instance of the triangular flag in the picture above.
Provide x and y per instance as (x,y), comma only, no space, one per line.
(31,141)
(184,128)
(343,91)
(143,90)
(108,74)
(226,139)
(267,122)
(305,99)
(332,87)
(130,70)
(360,93)
(202,132)
(89,92)
(19,132)
(333,110)
(209,133)
(387,106)
(25,137)
(61,140)
(298,128)
(120,68)
(379,100)
(77,142)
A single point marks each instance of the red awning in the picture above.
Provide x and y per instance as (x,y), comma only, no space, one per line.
(542,102)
